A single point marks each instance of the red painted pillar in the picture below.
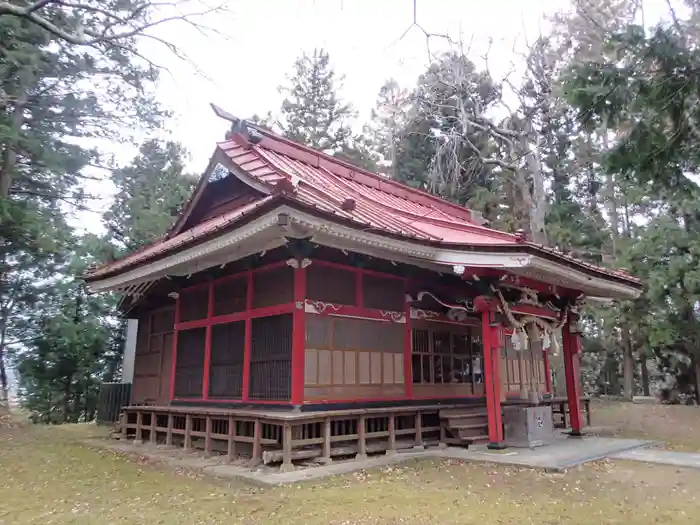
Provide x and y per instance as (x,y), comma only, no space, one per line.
(248,336)
(174,358)
(207,342)
(496,381)
(492,381)
(407,350)
(298,336)
(573,377)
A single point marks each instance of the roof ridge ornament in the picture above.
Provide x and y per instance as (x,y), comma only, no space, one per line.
(239,127)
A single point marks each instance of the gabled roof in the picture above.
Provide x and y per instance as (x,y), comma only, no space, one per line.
(283,171)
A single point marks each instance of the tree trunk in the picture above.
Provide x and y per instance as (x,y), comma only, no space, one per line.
(9,150)
(537,210)
(645,375)
(695,365)
(627,366)
(66,398)
(4,386)
(4,383)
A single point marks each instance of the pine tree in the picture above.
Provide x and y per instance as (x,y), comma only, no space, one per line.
(312,113)
(150,193)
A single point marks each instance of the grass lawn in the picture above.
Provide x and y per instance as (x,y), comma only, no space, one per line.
(48,477)
(676,425)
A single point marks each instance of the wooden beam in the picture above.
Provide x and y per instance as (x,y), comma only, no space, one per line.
(392,436)
(187,445)
(418,442)
(327,431)
(152,430)
(207,436)
(257,449)
(287,464)
(231,453)
(361,441)
(169,432)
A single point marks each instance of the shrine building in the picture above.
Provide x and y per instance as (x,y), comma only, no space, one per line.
(301,307)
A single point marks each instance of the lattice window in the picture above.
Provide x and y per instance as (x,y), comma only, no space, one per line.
(189,367)
(331,285)
(273,287)
(226,368)
(230,296)
(446,354)
(271,358)
(383,293)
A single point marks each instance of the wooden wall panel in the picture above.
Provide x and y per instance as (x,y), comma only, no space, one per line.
(311,367)
(443,390)
(383,293)
(166,363)
(152,363)
(351,358)
(510,371)
(387,368)
(324,367)
(364,365)
(353,392)
(273,287)
(350,377)
(337,367)
(398,368)
(329,284)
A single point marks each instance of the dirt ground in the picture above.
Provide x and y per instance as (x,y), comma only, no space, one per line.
(677,426)
(48,476)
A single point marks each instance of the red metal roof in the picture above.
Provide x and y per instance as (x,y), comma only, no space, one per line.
(336,188)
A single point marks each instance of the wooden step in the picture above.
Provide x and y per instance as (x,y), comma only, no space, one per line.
(471,433)
(454,413)
(465,426)
(456,422)
(484,438)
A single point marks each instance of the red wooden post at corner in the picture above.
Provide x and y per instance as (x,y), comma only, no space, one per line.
(408,349)
(298,335)
(492,381)
(571,371)
(207,341)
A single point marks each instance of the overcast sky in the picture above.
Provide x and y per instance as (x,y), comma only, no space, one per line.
(367,41)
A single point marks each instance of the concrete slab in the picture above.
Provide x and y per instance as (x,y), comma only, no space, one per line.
(561,455)
(564,453)
(661,457)
(323,471)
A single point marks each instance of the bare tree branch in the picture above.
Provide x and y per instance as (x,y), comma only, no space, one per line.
(425,32)
(672,12)
(116,28)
